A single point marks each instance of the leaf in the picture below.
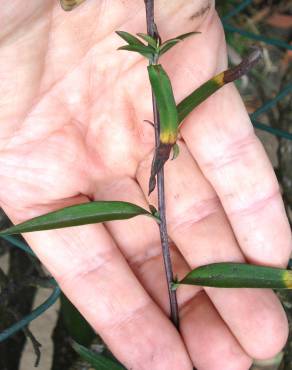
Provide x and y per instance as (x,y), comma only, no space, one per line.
(185,35)
(215,83)
(147,51)
(76,325)
(81,214)
(238,275)
(98,361)
(188,104)
(167,45)
(151,40)
(130,39)
(162,90)
(168,117)
(171,42)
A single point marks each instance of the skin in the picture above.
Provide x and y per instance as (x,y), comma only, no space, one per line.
(72,129)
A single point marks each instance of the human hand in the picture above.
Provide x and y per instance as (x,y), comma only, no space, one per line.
(72,130)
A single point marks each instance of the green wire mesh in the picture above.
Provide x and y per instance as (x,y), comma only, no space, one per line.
(270,41)
(257,124)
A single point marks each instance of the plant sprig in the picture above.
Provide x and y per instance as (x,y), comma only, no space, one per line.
(167,118)
(154,48)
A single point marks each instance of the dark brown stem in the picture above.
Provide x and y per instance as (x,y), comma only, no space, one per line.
(149,6)
(247,63)
(152,31)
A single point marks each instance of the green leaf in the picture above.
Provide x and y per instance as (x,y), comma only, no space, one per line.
(167,45)
(168,117)
(78,328)
(238,275)
(98,361)
(188,104)
(151,40)
(81,214)
(130,39)
(147,51)
(171,42)
(185,35)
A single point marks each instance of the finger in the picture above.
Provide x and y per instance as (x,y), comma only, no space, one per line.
(211,344)
(242,176)
(96,278)
(198,226)
(140,244)
(197,325)
(139,241)
(221,139)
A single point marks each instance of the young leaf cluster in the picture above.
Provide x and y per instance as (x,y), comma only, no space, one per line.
(153,49)
(170,114)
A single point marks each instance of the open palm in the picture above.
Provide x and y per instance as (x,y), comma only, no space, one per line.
(72,130)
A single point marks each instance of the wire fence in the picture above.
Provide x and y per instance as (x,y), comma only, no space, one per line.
(14,242)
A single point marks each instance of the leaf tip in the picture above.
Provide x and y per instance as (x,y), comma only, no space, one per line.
(245,66)
(287,278)
(152,184)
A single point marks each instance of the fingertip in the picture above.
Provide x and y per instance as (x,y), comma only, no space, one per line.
(256,318)
(272,337)
(210,343)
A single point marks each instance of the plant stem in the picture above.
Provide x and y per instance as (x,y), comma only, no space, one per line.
(152,31)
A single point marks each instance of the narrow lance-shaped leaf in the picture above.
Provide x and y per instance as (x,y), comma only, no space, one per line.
(76,325)
(129,38)
(185,35)
(168,116)
(168,119)
(168,44)
(68,5)
(151,40)
(210,87)
(81,214)
(238,275)
(146,51)
(98,361)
